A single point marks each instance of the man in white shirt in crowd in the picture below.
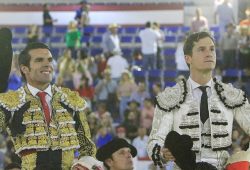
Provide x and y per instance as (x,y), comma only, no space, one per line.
(117,65)
(225,14)
(140,143)
(199,22)
(149,38)
(181,65)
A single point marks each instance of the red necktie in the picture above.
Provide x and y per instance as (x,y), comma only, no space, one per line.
(45,105)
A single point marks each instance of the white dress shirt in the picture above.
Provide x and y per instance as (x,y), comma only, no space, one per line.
(48,97)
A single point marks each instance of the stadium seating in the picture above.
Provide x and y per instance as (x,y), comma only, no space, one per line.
(139,75)
(230,75)
(154,75)
(61,30)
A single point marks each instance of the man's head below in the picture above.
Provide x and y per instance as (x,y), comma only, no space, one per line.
(117,155)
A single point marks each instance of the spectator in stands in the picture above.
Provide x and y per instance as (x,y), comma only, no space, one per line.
(156,89)
(149,39)
(66,67)
(133,106)
(104,116)
(101,62)
(147,115)
(137,60)
(111,41)
(88,65)
(117,154)
(228,45)
(93,122)
(225,14)
(131,123)
(244,51)
(73,37)
(246,22)
(181,65)
(80,71)
(140,94)
(86,91)
(199,22)
(32,34)
(48,21)
(184,108)
(85,19)
(92,67)
(103,136)
(156,26)
(140,143)
(82,12)
(125,88)
(122,133)
(105,86)
(83,67)
(117,64)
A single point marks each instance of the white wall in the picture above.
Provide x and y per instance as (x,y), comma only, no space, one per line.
(96,17)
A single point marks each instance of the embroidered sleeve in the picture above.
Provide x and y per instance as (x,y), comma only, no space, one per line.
(162,125)
(87,147)
(10,102)
(242,116)
(2,121)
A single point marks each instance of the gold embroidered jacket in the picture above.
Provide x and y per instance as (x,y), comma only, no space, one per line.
(21,114)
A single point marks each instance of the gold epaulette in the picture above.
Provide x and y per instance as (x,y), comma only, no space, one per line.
(12,100)
(72,99)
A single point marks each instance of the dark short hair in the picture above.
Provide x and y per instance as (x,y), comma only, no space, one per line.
(24,56)
(148,24)
(195,37)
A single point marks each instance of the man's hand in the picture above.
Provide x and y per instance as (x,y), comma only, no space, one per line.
(167,155)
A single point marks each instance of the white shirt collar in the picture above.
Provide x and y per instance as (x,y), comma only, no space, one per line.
(34,90)
(195,85)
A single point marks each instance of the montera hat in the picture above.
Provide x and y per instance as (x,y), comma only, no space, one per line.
(108,149)
(180,146)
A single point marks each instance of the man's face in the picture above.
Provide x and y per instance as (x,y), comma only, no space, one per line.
(113,30)
(203,57)
(40,72)
(121,160)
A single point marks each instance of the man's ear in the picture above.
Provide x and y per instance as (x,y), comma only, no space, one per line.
(188,59)
(108,162)
(24,69)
